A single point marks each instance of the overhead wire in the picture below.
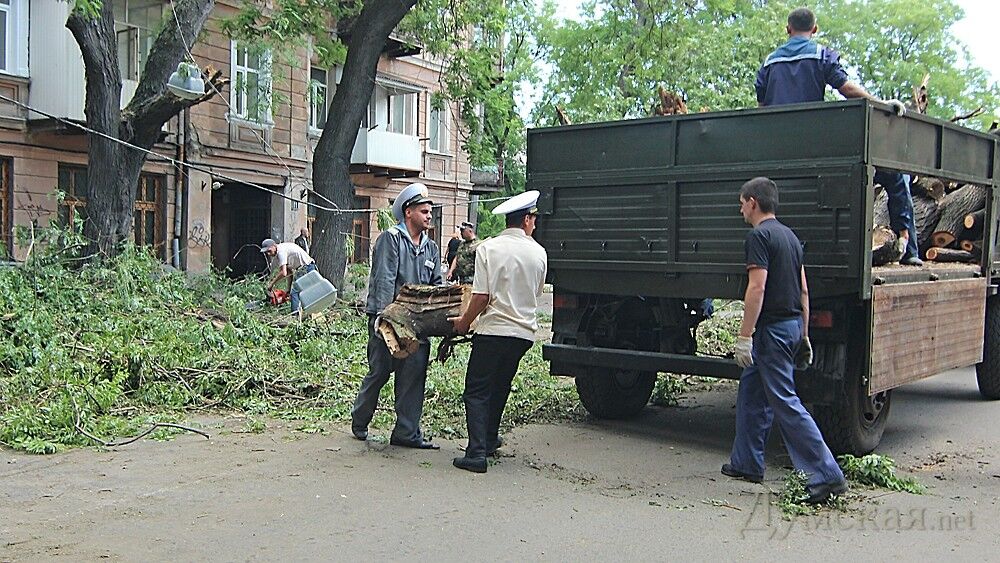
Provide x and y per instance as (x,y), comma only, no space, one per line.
(200,168)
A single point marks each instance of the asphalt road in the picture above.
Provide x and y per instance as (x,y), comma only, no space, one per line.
(646,489)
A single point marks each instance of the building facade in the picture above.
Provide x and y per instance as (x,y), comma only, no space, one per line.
(250,148)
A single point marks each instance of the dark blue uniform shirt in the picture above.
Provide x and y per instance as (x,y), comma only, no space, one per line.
(798,72)
(774,247)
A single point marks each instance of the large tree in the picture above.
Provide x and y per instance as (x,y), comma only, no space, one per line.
(114,167)
(473,75)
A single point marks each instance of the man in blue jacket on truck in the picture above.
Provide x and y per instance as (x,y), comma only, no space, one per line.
(798,72)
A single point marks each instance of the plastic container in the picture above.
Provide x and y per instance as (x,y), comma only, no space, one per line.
(315,292)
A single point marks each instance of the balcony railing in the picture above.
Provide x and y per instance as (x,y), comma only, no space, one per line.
(379,150)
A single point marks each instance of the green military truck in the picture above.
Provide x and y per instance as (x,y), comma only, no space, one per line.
(640,221)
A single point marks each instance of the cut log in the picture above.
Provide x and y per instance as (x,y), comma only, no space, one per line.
(954,207)
(884,248)
(973,247)
(974,224)
(418,312)
(928,186)
(949,255)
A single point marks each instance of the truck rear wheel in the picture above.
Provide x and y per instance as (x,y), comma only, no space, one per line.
(614,393)
(854,426)
(854,422)
(988,371)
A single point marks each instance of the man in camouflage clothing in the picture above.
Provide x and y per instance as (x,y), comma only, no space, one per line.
(463,267)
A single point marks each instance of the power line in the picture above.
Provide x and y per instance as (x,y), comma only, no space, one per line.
(205,169)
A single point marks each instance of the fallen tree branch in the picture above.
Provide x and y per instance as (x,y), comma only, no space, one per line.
(79,428)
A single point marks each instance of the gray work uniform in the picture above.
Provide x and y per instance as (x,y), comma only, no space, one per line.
(395,263)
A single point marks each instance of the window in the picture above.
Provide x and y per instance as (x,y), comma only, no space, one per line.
(318,101)
(361,230)
(6,209)
(73,185)
(148,225)
(437,129)
(148,218)
(250,95)
(14,37)
(403,113)
(136,25)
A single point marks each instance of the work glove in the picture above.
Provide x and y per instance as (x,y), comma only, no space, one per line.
(804,355)
(897,106)
(744,351)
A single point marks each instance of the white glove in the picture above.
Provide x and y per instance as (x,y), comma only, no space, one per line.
(744,351)
(897,106)
(804,355)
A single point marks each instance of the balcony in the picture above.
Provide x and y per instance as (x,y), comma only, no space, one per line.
(56,66)
(384,153)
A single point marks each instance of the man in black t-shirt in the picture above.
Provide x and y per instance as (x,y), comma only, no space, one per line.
(773,341)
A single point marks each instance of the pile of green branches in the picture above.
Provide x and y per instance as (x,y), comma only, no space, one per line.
(94,352)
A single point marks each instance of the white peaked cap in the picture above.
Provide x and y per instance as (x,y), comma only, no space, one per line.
(520,202)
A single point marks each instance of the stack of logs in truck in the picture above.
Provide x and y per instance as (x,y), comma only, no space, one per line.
(949,219)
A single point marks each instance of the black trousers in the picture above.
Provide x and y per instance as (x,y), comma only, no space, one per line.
(492,366)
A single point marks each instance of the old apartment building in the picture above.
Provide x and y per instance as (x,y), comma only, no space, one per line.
(262,130)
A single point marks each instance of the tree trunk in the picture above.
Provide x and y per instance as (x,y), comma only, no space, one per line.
(113,168)
(926,213)
(954,207)
(332,159)
(881,216)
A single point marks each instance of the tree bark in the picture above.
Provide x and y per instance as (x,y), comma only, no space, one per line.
(420,311)
(928,186)
(949,255)
(884,246)
(113,168)
(926,213)
(954,207)
(332,160)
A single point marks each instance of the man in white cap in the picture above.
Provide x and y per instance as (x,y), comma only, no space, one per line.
(508,280)
(403,254)
(289,262)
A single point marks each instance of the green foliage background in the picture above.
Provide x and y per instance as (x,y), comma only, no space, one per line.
(608,65)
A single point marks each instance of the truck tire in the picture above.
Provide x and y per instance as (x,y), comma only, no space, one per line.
(854,422)
(614,393)
(854,426)
(988,371)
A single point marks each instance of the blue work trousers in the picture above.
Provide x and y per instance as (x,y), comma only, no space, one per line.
(295,293)
(897,187)
(767,392)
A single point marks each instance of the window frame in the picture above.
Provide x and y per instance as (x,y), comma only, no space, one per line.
(444,143)
(15,44)
(409,113)
(238,96)
(314,86)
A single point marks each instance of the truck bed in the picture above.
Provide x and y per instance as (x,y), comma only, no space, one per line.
(930,271)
